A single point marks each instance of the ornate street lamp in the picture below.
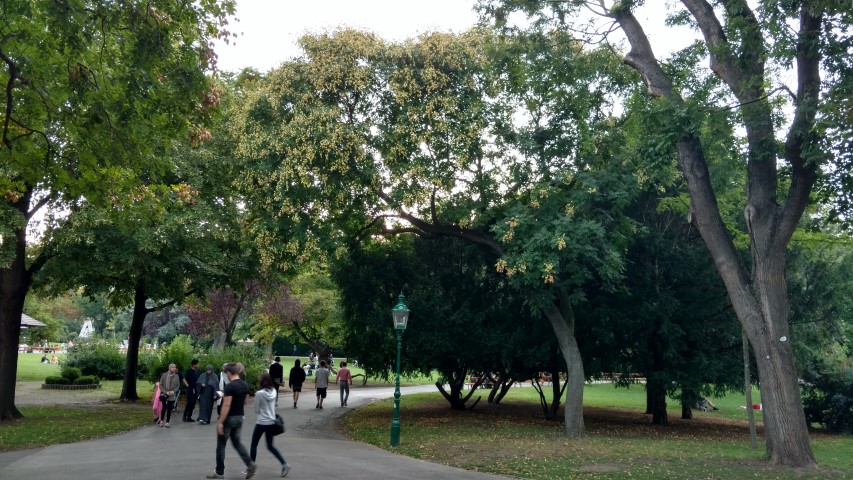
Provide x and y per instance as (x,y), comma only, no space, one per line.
(400,313)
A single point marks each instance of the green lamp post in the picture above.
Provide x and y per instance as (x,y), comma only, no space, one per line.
(400,313)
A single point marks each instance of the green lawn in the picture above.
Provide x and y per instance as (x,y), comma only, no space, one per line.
(49,425)
(30,367)
(620,441)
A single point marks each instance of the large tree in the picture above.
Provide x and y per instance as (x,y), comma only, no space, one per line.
(361,138)
(94,94)
(749,50)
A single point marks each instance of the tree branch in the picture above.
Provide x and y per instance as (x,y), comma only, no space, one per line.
(800,135)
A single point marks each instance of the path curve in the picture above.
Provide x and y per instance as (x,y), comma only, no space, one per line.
(312,444)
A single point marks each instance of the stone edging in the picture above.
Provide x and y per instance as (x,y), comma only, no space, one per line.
(55,386)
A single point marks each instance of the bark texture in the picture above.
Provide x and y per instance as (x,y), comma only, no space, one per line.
(15,282)
(759,295)
(562,320)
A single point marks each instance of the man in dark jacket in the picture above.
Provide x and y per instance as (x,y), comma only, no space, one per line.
(190,379)
(277,374)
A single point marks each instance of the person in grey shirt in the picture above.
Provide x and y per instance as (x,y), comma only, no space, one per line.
(321,380)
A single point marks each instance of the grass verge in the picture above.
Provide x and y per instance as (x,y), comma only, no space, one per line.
(50,425)
(512,439)
(30,367)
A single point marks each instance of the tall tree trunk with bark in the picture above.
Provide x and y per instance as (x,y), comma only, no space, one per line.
(758,295)
(14,283)
(658,399)
(562,319)
(131,365)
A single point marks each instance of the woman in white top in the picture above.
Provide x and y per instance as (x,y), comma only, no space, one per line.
(265,412)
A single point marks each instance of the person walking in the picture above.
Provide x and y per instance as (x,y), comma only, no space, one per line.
(345,378)
(321,380)
(191,377)
(231,422)
(265,399)
(277,374)
(170,384)
(206,387)
(295,381)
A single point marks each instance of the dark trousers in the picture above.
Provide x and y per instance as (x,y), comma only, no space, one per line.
(191,399)
(167,410)
(256,438)
(231,429)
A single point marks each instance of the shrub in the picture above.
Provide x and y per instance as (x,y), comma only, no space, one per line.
(253,358)
(87,380)
(54,380)
(179,352)
(102,359)
(70,373)
(828,398)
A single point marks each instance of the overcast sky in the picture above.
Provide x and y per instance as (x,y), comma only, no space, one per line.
(268,29)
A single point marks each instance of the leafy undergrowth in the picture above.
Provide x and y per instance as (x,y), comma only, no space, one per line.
(49,425)
(514,440)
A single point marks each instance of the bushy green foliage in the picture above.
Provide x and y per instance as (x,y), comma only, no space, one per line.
(102,359)
(54,380)
(180,352)
(70,373)
(828,399)
(253,358)
(87,380)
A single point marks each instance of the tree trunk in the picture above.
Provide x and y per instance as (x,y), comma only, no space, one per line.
(686,411)
(760,296)
(220,340)
(13,291)
(563,323)
(658,394)
(689,399)
(131,366)
(457,384)
(500,388)
(747,388)
(15,282)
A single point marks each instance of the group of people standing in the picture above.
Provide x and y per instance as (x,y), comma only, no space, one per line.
(230,391)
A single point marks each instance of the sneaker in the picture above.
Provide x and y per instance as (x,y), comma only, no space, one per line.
(285,469)
(321,407)
(215,475)
(250,472)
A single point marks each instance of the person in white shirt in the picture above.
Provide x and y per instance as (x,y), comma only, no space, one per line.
(265,412)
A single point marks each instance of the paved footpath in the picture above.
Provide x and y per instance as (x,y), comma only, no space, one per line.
(312,445)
